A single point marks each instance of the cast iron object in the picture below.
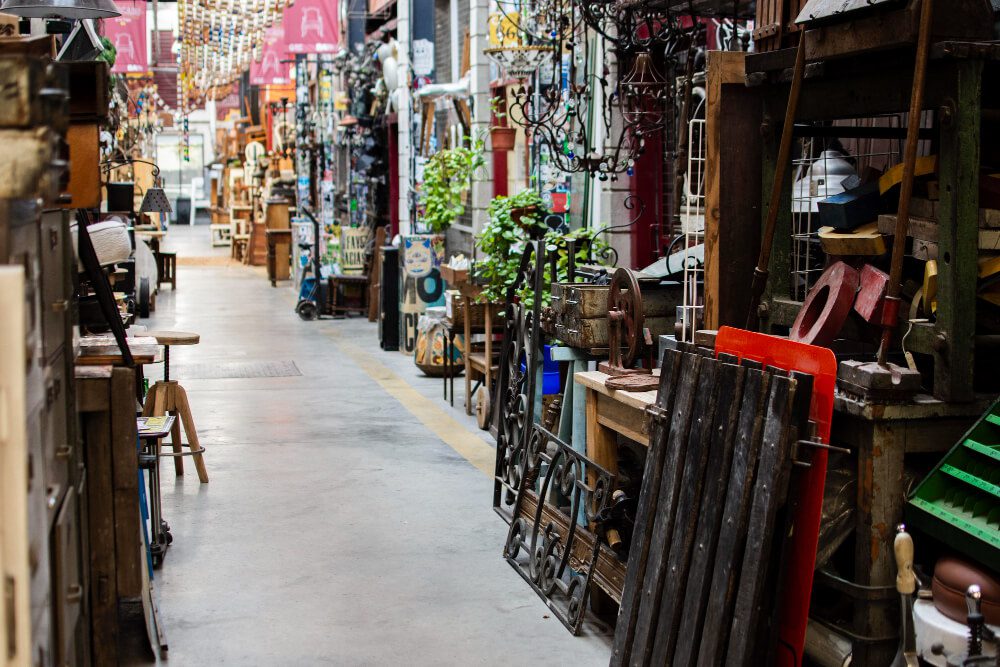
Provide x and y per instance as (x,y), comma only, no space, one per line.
(826,307)
(627,335)
(634,382)
(537,547)
(873,382)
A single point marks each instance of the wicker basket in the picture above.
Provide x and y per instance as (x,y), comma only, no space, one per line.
(460,309)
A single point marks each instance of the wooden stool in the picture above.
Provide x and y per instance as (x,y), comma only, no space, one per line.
(166,267)
(168,397)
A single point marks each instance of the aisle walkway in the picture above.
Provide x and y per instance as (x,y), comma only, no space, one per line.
(348,518)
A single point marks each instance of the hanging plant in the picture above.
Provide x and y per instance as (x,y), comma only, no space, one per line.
(514,220)
(447,179)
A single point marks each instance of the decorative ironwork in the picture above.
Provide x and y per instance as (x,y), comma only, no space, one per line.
(564,484)
(514,411)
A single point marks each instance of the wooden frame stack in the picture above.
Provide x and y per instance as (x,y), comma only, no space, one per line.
(704,559)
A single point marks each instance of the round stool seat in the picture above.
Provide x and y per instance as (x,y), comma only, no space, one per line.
(174,337)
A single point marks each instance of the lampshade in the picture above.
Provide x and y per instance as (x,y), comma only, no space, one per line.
(155,201)
(68,9)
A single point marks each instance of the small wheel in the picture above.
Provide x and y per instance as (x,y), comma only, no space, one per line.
(144,297)
(307,310)
(483,404)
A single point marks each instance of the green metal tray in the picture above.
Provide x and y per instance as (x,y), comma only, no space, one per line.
(959,501)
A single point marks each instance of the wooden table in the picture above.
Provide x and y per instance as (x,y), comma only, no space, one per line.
(278,239)
(610,412)
(103,350)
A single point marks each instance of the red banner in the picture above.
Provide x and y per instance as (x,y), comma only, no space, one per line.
(128,35)
(311,27)
(270,70)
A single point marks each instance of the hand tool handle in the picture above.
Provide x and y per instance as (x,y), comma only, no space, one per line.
(906,581)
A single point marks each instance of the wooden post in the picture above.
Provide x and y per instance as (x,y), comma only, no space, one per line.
(958,216)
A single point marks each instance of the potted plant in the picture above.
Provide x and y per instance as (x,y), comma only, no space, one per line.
(513,220)
(447,180)
(502,136)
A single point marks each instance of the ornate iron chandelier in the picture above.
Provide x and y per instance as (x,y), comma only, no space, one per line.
(585,113)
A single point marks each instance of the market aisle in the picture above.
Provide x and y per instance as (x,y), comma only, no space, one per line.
(338,527)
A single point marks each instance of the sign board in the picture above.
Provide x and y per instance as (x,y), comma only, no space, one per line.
(311,27)
(128,35)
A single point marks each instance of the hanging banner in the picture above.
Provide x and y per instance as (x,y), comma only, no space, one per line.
(128,35)
(270,70)
(311,27)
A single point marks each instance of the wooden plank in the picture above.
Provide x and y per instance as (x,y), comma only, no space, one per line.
(125,480)
(767,497)
(666,501)
(101,529)
(715,631)
(688,505)
(645,513)
(709,527)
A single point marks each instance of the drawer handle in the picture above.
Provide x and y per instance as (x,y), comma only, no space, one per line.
(64,453)
(60,306)
(74,594)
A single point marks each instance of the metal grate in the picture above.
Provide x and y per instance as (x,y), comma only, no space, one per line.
(235,369)
(693,227)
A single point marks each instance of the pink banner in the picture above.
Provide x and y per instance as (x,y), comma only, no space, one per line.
(128,35)
(270,70)
(311,27)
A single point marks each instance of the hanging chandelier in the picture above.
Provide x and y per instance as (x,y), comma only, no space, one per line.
(588,92)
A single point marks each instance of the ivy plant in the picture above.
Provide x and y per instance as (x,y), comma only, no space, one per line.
(447,177)
(501,244)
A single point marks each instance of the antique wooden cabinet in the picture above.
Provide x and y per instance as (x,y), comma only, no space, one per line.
(37,242)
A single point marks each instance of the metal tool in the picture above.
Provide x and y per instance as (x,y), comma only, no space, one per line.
(890,311)
(906,585)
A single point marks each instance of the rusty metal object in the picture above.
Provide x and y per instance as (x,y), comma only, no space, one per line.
(878,383)
(627,334)
(636,382)
(827,306)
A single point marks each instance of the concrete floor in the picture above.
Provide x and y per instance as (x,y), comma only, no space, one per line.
(348,516)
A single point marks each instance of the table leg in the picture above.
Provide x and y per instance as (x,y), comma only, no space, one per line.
(451,364)
(467,330)
(447,368)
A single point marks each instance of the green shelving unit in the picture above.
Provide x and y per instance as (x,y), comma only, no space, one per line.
(959,502)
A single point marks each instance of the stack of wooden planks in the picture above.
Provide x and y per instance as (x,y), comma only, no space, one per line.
(709,526)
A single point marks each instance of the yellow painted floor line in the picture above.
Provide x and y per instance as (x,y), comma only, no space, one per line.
(471,447)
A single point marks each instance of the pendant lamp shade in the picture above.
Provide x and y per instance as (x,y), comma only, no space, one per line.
(67,9)
(155,201)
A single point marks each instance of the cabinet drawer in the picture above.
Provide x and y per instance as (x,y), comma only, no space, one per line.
(54,254)
(57,449)
(67,584)
(38,540)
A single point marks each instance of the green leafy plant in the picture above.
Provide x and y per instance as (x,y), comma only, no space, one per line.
(514,220)
(447,178)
